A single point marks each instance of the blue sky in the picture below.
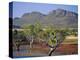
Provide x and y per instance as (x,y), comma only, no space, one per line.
(19,8)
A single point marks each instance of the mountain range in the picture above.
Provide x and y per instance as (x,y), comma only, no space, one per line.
(58,18)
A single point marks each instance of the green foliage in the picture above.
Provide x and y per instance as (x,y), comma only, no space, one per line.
(52,39)
(28,29)
(47,33)
(18,35)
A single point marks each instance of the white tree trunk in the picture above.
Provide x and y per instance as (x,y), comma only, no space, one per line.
(31,42)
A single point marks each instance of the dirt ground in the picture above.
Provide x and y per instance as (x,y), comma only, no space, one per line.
(43,50)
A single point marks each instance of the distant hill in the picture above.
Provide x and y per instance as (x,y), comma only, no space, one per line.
(58,18)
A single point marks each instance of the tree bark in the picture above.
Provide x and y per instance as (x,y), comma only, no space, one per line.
(50,53)
(18,47)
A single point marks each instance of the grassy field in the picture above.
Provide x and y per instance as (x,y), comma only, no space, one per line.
(70,40)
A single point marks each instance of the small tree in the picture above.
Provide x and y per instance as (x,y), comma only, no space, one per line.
(55,40)
(29,31)
(17,36)
(32,30)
